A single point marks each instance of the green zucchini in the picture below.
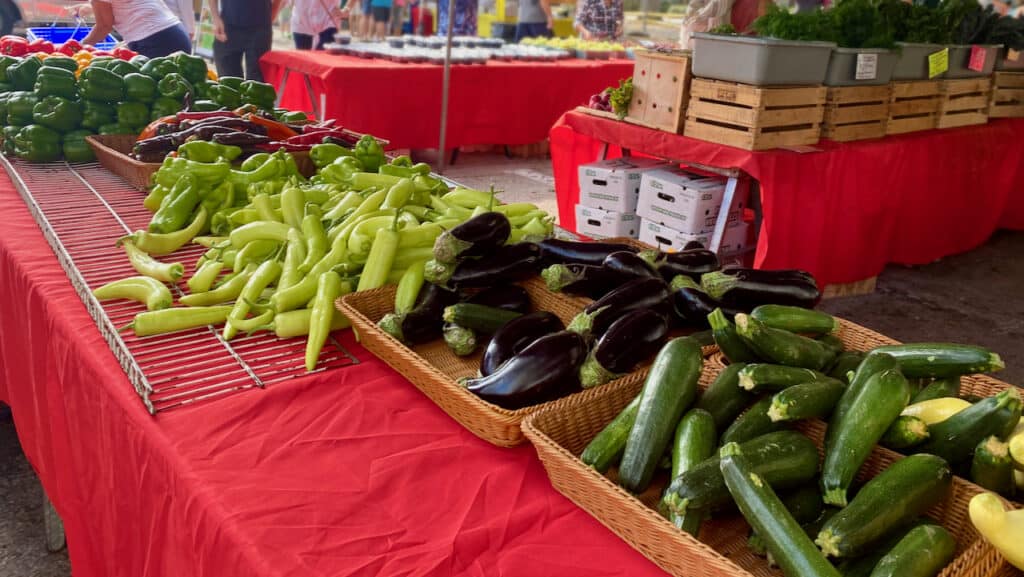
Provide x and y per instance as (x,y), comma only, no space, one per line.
(875,408)
(763,377)
(786,541)
(783,347)
(796,319)
(905,432)
(833,342)
(955,438)
(873,363)
(481,318)
(728,340)
(943,359)
(695,442)
(460,340)
(844,363)
(751,424)
(992,466)
(937,389)
(923,552)
(785,459)
(807,401)
(863,565)
(670,389)
(887,502)
(606,448)
(796,503)
(724,398)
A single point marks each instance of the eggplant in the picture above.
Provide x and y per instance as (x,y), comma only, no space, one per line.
(231,122)
(693,245)
(208,132)
(692,305)
(629,264)
(545,370)
(641,293)
(555,251)
(592,281)
(760,275)
(631,340)
(154,149)
(508,264)
(510,297)
(236,138)
(744,292)
(424,322)
(692,263)
(515,336)
(479,236)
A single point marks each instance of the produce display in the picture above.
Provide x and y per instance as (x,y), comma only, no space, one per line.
(575,43)
(614,99)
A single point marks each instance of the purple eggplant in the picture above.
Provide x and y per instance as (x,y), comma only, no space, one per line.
(582,279)
(692,305)
(759,275)
(516,335)
(631,340)
(479,236)
(637,294)
(510,297)
(555,251)
(629,265)
(545,370)
(507,264)
(424,322)
(746,290)
(692,263)
(236,138)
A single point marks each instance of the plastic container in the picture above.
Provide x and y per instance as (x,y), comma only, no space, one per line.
(760,61)
(61,34)
(842,67)
(913,61)
(960,57)
(1003,63)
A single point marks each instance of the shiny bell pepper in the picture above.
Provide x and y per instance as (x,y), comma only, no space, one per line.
(70,48)
(157,68)
(3,109)
(259,94)
(5,62)
(341,170)
(6,87)
(232,82)
(203,151)
(201,90)
(122,68)
(100,84)
(23,74)
(139,87)
(224,95)
(101,61)
(139,60)
(37,143)
(324,154)
(164,106)
(10,133)
(133,114)
(58,113)
(96,114)
(125,53)
(20,106)
(177,207)
(64,62)
(205,106)
(40,45)
(52,81)
(13,45)
(369,153)
(116,128)
(193,68)
(174,86)
(76,149)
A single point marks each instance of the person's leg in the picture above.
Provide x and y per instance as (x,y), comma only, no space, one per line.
(326,36)
(227,56)
(302,41)
(260,41)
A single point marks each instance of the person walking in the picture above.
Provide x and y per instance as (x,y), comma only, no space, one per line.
(314,20)
(148,26)
(243,30)
(534,19)
(599,19)
(186,13)
(380,11)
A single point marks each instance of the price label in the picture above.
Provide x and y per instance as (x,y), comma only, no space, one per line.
(977,61)
(938,62)
(867,67)
(1013,55)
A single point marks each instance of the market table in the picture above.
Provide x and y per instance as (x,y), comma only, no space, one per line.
(846,210)
(508,103)
(346,472)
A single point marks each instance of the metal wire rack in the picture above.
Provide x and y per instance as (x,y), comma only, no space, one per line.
(83,210)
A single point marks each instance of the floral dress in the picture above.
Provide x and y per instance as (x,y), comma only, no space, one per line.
(465,18)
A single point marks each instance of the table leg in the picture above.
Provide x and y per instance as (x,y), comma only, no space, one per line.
(53,525)
(604,151)
(723,214)
(281,86)
(312,97)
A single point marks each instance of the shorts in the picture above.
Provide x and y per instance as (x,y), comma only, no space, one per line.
(365,4)
(381,13)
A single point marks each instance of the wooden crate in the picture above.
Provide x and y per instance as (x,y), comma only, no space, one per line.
(1007,99)
(856,112)
(913,106)
(963,102)
(661,85)
(753,117)
(861,287)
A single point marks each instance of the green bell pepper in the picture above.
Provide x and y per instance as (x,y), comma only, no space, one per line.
(5,63)
(341,170)
(76,149)
(159,67)
(64,62)
(96,114)
(164,106)
(19,107)
(232,82)
(132,114)
(369,153)
(6,87)
(139,60)
(201,89)
(225,96)
(123,67)
(102,62)
(203,151)
(10,133)
(23,74)
(58,113)
(324,154)
(139,87)
(53,81)
(174,86)
(259,94)
(116,128)
(193,68)
(3,109)
(205,106)
(36,143)
(101,84)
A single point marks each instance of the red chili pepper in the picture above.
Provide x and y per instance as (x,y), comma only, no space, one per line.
(286,146)
(40,45)
(275,130)
(11,45)
(202,115)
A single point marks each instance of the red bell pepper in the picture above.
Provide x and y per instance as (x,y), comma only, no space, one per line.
(102,53)
(40,45)
(70,47)
(124,53)
(89,48)
(11,45)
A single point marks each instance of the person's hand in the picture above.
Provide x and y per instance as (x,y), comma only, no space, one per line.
(618,30)
(78,10)
(586,34)
(551,23)
(218,30)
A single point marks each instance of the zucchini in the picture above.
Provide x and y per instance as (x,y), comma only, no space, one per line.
(833,342)
(863,565)
(763,377)
(670,389)
(887,502)
(873,363)
(796,319)
(783,347)
(606,448)
(695,442)
(806,401)
(785,459)
(923,552)
(724,398)
(845,362)
(874,409)
(460,340)
(785,540)
(753,423)
(938,388)
(728,340)
(934,411)
(943,359)
(481,318)
(992,467)
(955,438)
(1016,443)
(905,432)
(805,505)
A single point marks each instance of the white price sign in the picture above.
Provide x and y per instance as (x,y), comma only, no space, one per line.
(867,67)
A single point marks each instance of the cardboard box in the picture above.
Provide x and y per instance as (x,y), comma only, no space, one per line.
(614,184)
(684,201)
(734,239)
(597,223)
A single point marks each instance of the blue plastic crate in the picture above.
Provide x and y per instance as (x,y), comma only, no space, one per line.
(61,34)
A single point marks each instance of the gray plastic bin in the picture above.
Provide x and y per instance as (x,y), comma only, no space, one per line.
(960,57)
(760,61)
(1011,65)
(913,61)
(842,67)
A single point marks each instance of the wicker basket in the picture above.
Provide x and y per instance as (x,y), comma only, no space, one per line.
(113,152)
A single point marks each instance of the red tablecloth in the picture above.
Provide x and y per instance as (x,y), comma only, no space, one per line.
(844,212)
(352,472)
(493,103)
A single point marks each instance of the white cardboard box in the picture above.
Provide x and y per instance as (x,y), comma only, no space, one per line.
(684,201)
(734,239)
(614,184)
(597,223)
